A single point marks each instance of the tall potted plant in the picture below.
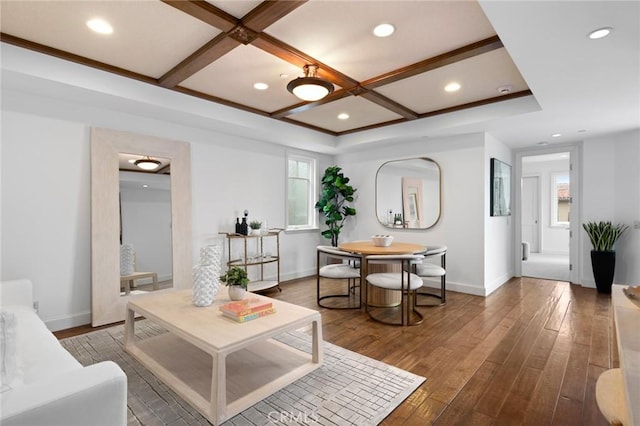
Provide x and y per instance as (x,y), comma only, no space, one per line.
(603,236)
(333,203)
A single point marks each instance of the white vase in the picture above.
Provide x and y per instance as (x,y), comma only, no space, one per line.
(206,283)
(236,292)
(255,232)
(127,259)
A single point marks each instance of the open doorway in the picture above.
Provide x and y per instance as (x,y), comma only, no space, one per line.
(545,215)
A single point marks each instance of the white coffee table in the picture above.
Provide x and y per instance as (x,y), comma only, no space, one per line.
(219,366)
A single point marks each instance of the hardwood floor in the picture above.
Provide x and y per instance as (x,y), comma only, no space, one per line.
(529,353)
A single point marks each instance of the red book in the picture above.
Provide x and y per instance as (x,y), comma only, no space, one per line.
(245,306)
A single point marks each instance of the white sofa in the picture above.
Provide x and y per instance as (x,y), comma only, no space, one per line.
(42,384)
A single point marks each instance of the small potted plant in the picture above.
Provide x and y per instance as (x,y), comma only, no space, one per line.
(236,279)
(603,236)
(255,227)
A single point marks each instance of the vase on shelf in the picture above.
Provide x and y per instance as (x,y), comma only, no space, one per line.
(236,292)
(127,259)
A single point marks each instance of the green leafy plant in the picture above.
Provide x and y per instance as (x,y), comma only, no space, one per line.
(603,234)
(333,203)
(254,224)
(235,276)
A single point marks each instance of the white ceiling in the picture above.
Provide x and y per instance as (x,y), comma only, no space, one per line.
(581,88)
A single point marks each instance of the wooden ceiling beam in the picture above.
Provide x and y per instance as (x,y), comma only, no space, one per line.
(234,32)
(214,49)
(462,53)
(205,12)
(389,104)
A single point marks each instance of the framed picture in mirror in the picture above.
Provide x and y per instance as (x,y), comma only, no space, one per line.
(500,204)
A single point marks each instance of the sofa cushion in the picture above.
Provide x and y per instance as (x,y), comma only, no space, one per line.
(9,368)
(41,355)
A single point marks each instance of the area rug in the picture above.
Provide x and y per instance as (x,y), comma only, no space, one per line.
(349,389)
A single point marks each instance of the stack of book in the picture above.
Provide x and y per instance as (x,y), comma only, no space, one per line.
(247,309)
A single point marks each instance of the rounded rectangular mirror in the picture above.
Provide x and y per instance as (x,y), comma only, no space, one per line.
(408,193)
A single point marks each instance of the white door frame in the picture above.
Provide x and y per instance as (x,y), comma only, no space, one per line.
(575,250)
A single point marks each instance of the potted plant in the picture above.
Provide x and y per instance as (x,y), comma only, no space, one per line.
(255,227)
(603,236)
(336,193)
(236,279)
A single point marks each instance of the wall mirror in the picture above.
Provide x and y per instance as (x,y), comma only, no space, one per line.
(408,193)
(110,220)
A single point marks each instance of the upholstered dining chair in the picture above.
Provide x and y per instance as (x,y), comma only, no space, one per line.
(431,270)
(346,269)
(403,281)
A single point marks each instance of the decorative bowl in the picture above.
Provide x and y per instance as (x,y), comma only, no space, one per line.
(382,240)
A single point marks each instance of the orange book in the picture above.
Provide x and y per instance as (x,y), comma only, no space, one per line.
(251,316)
(245,306)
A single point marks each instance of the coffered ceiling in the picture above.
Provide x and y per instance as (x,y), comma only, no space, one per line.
(218,50)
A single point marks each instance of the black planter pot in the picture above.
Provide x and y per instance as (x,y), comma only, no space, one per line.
(603,264)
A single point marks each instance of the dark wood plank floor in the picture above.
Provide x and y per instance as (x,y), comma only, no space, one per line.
(529,353)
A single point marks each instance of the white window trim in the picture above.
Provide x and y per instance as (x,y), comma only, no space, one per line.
(313,226)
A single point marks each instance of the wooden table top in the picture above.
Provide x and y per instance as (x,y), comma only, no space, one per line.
(366,247)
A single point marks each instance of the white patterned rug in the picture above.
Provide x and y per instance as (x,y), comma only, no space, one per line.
(349,389)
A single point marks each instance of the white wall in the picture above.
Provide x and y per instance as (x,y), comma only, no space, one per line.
(611,191)
(46,204)
(498,230)
(555,239)
(461,225)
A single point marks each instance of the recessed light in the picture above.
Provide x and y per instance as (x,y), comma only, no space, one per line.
(383,30)
(145,185)
(261,86)
(452,87)
(599,33)
(343,116)
(100,26)
(132,161)
(556,135)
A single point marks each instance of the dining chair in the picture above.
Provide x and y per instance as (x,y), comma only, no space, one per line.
(431,270)
(403,281)
(347,269)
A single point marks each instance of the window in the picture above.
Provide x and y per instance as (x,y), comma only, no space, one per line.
(301,190)
(560,199)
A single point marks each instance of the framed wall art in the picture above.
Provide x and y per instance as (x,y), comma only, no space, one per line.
(500,188)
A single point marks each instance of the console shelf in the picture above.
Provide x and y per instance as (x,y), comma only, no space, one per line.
(259,260)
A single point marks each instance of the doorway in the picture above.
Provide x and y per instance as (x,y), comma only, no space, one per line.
(547,216)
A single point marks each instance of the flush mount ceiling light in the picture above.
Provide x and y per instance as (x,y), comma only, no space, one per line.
(599,33)
(452,87)
(147,163)
(100,26)
(310,87)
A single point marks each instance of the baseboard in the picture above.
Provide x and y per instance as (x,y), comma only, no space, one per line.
(64,323)
(497,283)
(453,286)
(556,252)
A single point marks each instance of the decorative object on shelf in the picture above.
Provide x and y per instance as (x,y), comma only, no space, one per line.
(397,219)
(244,226)
(127,259)
(238,226)
(236,279)
(603,236)
(206,275)
(382,240)
(255,227)
(336,193)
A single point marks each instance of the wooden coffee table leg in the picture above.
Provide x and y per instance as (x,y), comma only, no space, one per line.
(317,354)
(129,334)
(218,389)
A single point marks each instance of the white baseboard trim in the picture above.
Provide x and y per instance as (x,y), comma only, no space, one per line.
(556,252)
(453,286)
(64,323)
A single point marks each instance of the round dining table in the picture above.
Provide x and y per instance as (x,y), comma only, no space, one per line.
(379,296)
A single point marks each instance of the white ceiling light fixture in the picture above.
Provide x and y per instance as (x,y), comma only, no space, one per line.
(310,87)
(99,26)
(556,135)
(261,86)
(452,87)
(343,116)
(384,30)
(600,33)
(147,163)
